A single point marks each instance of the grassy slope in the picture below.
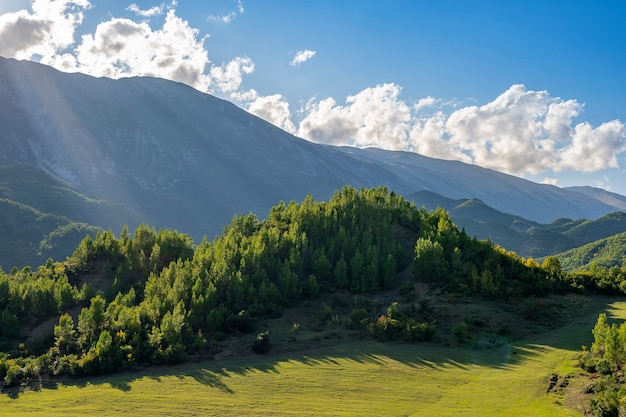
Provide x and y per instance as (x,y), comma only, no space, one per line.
(344,378)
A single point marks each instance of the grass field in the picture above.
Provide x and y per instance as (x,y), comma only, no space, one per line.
(348,378)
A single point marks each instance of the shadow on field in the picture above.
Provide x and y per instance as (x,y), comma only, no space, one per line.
(490,351)
(215,374)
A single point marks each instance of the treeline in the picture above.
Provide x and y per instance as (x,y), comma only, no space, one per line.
(599,279)
(155,297)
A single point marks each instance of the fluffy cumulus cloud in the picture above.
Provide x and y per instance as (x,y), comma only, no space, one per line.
(123,47)
(274,109)
(375,117)
(592,149)
(44,30)
(520,132)
(229,77)
(302,56)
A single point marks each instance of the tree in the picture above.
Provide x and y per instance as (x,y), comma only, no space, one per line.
(91,320)
(429,263)
(65,341)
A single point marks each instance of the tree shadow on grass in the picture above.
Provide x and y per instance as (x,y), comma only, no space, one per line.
(493,352)
(215,374)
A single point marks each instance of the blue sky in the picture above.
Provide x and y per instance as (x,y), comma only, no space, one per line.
(533,88)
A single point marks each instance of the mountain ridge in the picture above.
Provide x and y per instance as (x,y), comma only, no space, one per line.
(182,159)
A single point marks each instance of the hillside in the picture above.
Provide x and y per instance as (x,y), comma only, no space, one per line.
(42,216)
(525,237)
(154,297)
(31,236)
(163,153)
(605,253)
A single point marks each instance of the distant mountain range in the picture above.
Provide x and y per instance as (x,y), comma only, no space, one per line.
(527,238)
(96,152)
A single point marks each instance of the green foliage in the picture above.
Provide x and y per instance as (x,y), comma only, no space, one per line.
(459,331)
(598,279)
(605,253)
(607,356)
(450,258)
(400,322)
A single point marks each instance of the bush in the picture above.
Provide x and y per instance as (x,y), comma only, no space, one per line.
(420,332)
(459,331)
(241,322)
(385,328)
(262,343)
(358,318)
(13,375)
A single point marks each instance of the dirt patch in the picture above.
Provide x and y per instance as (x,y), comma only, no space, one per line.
(44,329)
(578,393)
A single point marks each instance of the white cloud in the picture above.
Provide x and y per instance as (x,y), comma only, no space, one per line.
(375,117)
(229,77)
(153,11)
(123,47)
(302,56)
(274,109)
(229,16)
(520,132)
(44,31)
(424,102)
(550,181)
(592,149)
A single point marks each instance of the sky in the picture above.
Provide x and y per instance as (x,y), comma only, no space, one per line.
(535,89)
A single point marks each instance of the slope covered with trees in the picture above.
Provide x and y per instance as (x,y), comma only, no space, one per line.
(605,253)
(155,297)
(527,238)
(42,217)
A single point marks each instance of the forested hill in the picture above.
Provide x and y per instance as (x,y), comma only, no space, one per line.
(155,297)
(605,253)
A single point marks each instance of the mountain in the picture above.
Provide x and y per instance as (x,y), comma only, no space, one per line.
(163,153)
(527,238)
(607,197)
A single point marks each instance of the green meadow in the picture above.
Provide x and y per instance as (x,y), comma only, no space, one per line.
(355,378)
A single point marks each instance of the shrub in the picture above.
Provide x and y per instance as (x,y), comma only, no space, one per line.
(13,375)
(459,331)
(385,328)
(241,322)
(415,331)
(262,343)
(358,318)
